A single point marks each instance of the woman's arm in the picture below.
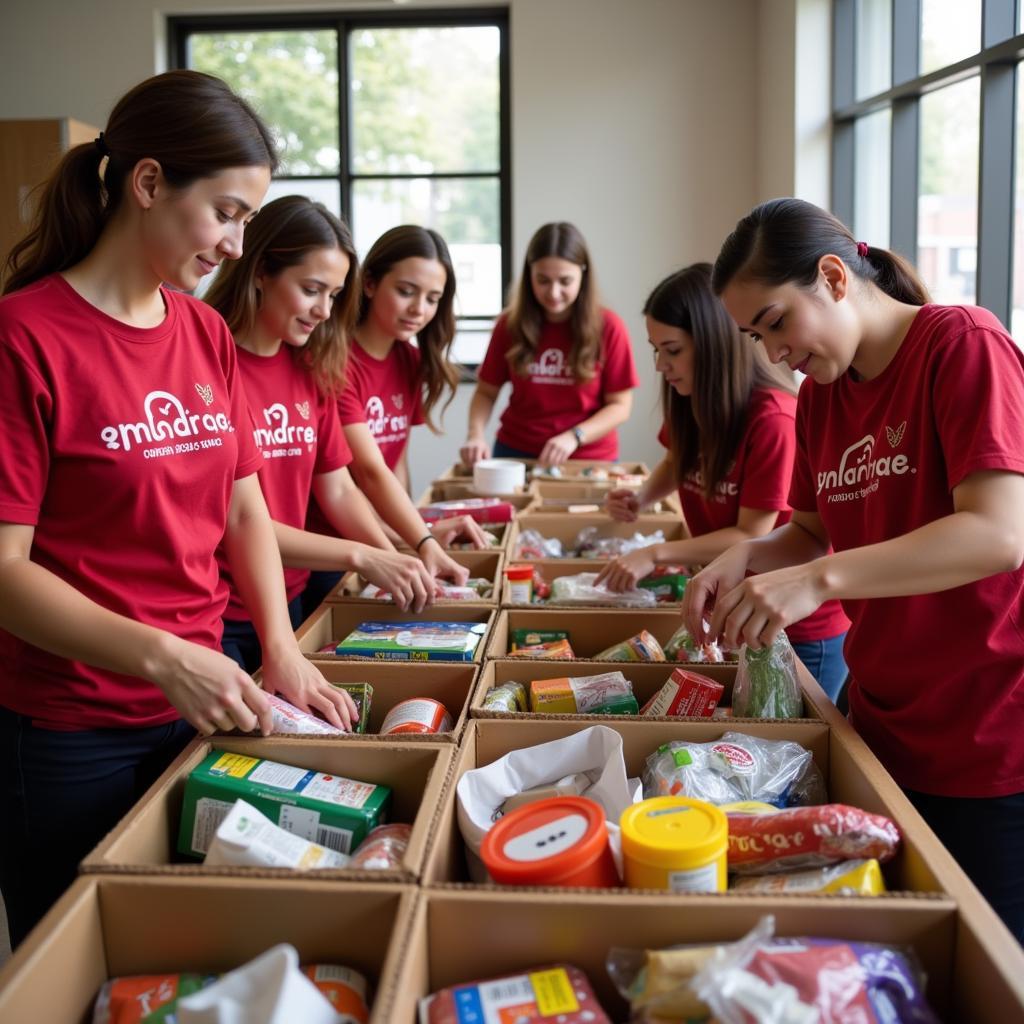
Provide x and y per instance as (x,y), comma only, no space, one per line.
(625,504)
(347,510)
(615,411)
(481,405)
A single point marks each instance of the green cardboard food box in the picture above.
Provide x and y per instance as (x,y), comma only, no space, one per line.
(414,641)
(327,809)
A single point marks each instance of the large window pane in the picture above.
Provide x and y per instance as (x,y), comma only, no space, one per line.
(873,156)
(292,80)
(874,46)
(464,210)
(326,192)
(950,31)
(948,204)
(425,100)
(1017,316)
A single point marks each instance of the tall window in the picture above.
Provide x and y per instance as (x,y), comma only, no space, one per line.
(925,118)
(386,120)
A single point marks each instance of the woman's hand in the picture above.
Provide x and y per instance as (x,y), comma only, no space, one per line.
(558,449)
(466,527)
(299,681)
(709,586)
(438,563)
(405,577)
(626,571)
(623,504)
(474,450)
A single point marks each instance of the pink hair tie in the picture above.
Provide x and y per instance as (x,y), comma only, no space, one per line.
(862,249)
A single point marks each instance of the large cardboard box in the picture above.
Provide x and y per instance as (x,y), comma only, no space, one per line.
(560,496)
(452,490)
(145,840)
(112,926)
(921,865)
(567,529)
(573,471)
(332,622)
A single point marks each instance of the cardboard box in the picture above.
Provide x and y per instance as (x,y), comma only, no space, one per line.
(567,529)
(112,926)
(453,940)
(559,496)
(145,840)
(332,622)
(921,865)
(451,490)
(573,471)
(481,565)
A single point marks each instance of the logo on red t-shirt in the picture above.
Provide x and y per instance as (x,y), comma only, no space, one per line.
(383,427)
(551,368)
(166,418)
(858,465)
(724,489)
(279,432)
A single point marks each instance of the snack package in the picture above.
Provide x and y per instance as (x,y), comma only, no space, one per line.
(685,694)
(344,988)
(642,647)
(580,589)
(609,693)
(552,649)
(656,982)
(666,587)
(765,980)
(421,716)
(808,837)
(541,587)
(508,697)
(682,647)
(559,993)
(289,719)
(766,685)
(482,510)
(589,543)
(145,998)
(847,878)
(530,544)
(362,697)
(383,849)
(475,589)
(414,641)
(532,637)
(736,767)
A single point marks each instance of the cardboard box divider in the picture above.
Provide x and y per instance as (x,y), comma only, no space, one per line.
(916,867)
(521,502)
(567,528)
(572,471)
(112,926)
(557,496)
(333,621)
(145,840)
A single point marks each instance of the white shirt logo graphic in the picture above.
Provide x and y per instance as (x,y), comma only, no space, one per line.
(859,471)
(166,418)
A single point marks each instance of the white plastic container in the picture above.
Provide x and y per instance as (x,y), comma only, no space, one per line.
(498,476)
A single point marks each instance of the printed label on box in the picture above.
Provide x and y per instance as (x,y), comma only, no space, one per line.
(703,879)
(281,776)
(553,992)
(235,765)
(209,814)
(336,790)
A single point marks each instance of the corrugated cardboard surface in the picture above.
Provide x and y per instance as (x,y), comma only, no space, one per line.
(571,492)
(453,490)
(572,471)
(567,529)
(145,839)
(106,927)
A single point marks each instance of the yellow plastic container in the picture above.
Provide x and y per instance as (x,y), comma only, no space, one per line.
(673,842)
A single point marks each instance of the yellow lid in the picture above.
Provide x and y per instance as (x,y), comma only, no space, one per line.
(674,832)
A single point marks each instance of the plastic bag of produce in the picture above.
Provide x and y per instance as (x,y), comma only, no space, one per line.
(682,647)
(530,544)
(580,589)
(589,543)
(766,684)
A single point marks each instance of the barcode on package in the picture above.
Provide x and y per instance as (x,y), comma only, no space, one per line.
(337,839)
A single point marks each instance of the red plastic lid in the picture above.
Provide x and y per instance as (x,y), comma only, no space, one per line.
(544,842)
(519,572)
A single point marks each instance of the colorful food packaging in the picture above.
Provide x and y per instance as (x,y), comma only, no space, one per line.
(362,697)
(847,878)
(532,637)
(383,849)
(344,988)
(559,993)
(685,694)
(145,998)
(682,647)
(507,697)
(656,982)
(292,720)
(665,586)
(475,589)
(541,587)
(553,649)
(414,641)
(642,647)
(419,715)
(531,544)
(581,589)
(609,693)
(519,584)
(482,510)
(327,809)
(766,684)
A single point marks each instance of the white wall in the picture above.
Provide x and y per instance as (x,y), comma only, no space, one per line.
(643,121)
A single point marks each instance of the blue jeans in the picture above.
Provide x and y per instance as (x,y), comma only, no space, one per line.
(502,451)
(824,660)
(985,835)
(60,793)
(242,645)
(320,584)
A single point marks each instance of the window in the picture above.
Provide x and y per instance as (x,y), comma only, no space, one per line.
(386,120)
(925,114)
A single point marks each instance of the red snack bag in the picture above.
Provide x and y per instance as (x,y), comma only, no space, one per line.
(383,849)
(541,587)
(145,997)
(343,988)
(685,694)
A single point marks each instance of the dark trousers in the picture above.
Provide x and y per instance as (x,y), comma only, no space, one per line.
(503,451)
(60,793)
(320,584)
(986,837)
(241,644)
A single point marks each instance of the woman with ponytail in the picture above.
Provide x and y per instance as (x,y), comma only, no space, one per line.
(910,463)
(129,457)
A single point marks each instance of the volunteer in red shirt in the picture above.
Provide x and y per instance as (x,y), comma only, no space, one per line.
(569,362)
(910,461)
(128,456)
(392,385)
(290,302)
(729,429)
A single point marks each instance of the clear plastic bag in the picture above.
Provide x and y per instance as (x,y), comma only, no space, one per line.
(737,767)
(589,544)
(530,544)
(766,683)
(682,647)
(580,589)
(656,982)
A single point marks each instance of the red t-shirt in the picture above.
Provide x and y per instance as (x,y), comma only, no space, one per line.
(122,447)
(298,432)
(549,399)
(758,478)
(938,689)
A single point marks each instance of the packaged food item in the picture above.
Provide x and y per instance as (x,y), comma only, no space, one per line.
(596,473)
(246,838)
(344,988)
(575,784)
(609,693)
(530,544)
(685,694)
(580,589)
(736,767)
(847,878)
(808,837)
(362,697)
(766,685)
(541,587)
(287,718)
(328,648)
(552,649)
(519,580)
(532,637)
(590,544)
(548,472)
(656,982)
(145,998)
(561,840)
(642,647)
(666,587)
(508,697)
(327,809)
(672,842)
(383,849)
(414,641)
(682,647)
(421,715)
(482,510)
(475,589)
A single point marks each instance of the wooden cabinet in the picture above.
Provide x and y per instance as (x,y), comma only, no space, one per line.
(29,150)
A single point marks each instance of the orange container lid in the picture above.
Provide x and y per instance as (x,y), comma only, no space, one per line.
(545,841)
(519,572)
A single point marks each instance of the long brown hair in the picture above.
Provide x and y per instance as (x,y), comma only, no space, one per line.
(524,317)
(192,123)
(281,235)
(438,372)
(782,240)
(706,427)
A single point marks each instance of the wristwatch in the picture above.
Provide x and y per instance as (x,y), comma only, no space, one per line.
(577,432)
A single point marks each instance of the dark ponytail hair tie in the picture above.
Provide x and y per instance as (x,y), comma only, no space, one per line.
(101,144)
(862,247)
